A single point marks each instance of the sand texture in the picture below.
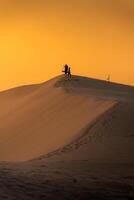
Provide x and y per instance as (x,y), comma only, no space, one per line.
(67,139)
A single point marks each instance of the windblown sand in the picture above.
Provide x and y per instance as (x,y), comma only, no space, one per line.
(67,139)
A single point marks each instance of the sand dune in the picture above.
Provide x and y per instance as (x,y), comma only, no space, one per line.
(38,119)
(76,136)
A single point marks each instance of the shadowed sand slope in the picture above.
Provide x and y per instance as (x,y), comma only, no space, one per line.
(110,139)
(36,120)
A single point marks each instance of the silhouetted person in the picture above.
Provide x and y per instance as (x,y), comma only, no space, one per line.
(108,78)
(65,69)
(69,72)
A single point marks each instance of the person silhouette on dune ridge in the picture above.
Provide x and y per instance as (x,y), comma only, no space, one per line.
(67,70)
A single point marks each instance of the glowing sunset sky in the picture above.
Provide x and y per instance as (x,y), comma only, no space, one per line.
(37,37)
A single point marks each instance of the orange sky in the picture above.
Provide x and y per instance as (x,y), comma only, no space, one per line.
(37,37)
